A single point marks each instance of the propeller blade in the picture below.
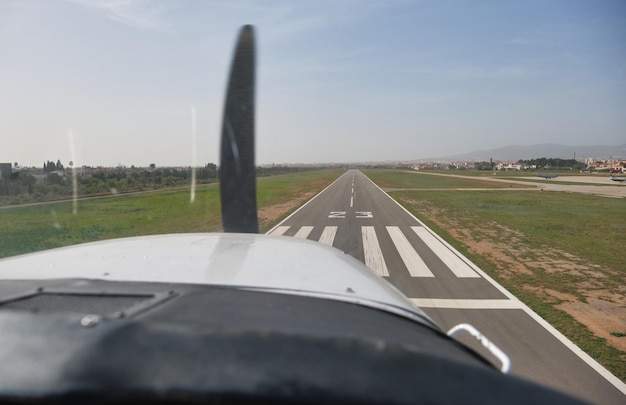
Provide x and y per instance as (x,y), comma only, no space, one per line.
(237,168)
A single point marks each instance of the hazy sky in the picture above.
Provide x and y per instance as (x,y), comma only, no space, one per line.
(337,81)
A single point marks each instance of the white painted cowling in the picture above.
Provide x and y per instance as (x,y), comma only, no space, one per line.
(280,264)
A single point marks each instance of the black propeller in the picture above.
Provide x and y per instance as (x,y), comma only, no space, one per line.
(237,169)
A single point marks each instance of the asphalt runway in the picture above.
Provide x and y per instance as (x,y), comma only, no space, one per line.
(357,217)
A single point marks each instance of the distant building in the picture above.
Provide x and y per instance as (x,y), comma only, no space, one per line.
(5,170)
(508,166)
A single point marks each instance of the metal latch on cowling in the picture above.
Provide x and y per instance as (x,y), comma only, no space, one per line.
(488,344)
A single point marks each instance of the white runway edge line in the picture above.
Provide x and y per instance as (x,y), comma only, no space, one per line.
(328,235)
(412,260)
(271,231)
(373,254)
(616,382)
(447,256)
(466,303)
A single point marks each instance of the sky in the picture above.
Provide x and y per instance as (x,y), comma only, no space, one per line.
(135,82)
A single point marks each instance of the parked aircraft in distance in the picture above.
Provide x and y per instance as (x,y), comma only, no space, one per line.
(546,176)
(620,179)
(231,317)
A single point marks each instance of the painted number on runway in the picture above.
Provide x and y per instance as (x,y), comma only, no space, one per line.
(337,214)
(359,214)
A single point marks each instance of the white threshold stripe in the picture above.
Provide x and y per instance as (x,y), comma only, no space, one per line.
(412,260)
(454,263)
(280,230)
(303,232)
(328,235)
(466,303)
(373,254)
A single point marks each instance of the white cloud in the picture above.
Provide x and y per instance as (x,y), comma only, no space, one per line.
(138,14)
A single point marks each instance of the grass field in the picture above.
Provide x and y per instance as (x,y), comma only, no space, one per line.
(593,227)
(560,253)
(404,179)
(39,227)
(511,173)
(528,176)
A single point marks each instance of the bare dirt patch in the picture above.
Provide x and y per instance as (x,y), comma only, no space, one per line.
(271,214)
(604,318)
(556,277)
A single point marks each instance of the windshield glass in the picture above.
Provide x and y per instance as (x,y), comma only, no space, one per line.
(470,153)
(108,98)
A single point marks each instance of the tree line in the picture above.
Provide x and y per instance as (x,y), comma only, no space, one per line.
(49,166)
(540,163)
(30,186)
(57,183)
(553,163)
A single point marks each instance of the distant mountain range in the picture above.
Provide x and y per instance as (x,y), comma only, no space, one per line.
(517,152)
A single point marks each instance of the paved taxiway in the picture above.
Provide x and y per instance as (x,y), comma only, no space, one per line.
(357,217)
(601,186)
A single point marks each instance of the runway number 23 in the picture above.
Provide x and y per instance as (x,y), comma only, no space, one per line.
(359,214)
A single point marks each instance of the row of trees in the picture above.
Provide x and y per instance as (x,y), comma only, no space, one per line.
(51,166)
(484,165)
(31,187)
(553,163)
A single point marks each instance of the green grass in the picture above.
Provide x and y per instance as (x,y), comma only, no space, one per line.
(565,183)
(429,180)
(592,227)
(27,229)
(500,173)
(588,228)
(33,228)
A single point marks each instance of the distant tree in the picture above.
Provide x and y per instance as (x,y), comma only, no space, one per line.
(152,166)
(15,165)
(59,165)
(100,175)
(71,163)
(482,165)
(53,178)
(211,170)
